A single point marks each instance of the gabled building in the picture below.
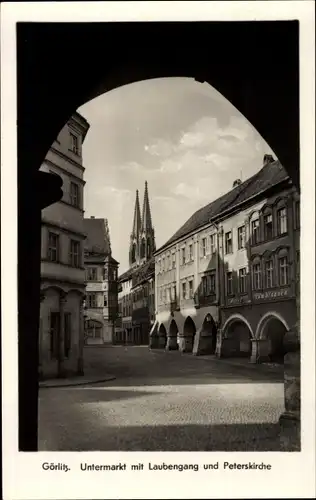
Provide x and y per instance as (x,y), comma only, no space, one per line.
(136,285)
(61,333)
(227,281)
(101,303)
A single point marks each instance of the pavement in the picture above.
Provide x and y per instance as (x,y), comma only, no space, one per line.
(163,401)
(74,381)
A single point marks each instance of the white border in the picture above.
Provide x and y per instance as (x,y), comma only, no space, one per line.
(292,475)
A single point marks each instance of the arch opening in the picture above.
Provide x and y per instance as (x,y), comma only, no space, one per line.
(187,341)
(162,336)
(273,331)
(207,344)
(237,339)
(173,337)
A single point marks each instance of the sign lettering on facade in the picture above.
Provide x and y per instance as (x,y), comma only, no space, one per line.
(271,294)
(238,300)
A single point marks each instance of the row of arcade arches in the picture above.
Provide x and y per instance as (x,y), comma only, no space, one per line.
(237,336)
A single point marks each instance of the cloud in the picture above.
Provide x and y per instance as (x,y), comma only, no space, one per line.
(132,166)
(160,147)
(186,190)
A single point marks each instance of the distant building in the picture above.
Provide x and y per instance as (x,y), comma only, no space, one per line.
(136,286)
(62,267)
(227,281)
(101,304)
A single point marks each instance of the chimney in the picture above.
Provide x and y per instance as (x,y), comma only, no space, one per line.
(268,159)
(237,182)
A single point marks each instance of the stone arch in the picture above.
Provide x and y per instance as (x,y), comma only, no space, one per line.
(162,336)
(186,341)
(173,334)
(238,336)
(271,329)
(205,340)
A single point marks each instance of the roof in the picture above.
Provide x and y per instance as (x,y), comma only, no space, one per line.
(109,258)
(144,272)
(270,174)
(139,274)
(97,239)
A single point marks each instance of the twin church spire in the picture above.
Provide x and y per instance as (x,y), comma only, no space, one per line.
(142,240)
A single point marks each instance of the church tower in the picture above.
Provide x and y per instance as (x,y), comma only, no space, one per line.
(135,235)
(147,244)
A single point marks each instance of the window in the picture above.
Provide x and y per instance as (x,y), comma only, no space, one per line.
(92,300)
(241,237)
(255,231)
(242,280)
(74,253)
(204,286)
(74,143)
(282,221)
(268,227)
(283,271)
(190,252)
(74,194)
(256,283)
(174,297)
(54,333)
(229,283)
(184,290)
(163,265)
(297,214)
(203,247)
(228,242)
(191,289)
(173,261)
(105,302)
(67,344)
(212,283)
(269,273)
(92,274)
(53,247)
(212,244)
(183,256)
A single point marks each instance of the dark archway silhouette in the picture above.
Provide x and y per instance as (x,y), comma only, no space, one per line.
(187,340)
(172,340)
(253,72)
(162,336)
(274,331)
(206,341)
(237,339)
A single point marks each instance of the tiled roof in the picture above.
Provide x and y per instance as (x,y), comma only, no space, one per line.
(139,274)
(97,240)
(144,272)
(270,175)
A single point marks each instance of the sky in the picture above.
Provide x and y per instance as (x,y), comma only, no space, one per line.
(182,136)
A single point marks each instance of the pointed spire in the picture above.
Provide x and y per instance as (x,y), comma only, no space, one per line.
(137,219)
(146,218)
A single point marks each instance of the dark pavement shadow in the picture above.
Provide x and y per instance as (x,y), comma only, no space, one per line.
(90,395)
(224,437)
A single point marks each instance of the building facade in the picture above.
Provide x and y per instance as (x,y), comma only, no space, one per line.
(62,264)
(101,302)
(227,281)
(136,285)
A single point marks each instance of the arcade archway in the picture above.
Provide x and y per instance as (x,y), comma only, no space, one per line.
(187,340)
(173,341)
(237,339)
(162,336)
(207,336)
(273,331)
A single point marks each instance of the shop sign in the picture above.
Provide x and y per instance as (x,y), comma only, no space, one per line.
(243,299)
(271,294)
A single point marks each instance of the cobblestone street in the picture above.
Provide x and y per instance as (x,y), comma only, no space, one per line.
(163,401)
